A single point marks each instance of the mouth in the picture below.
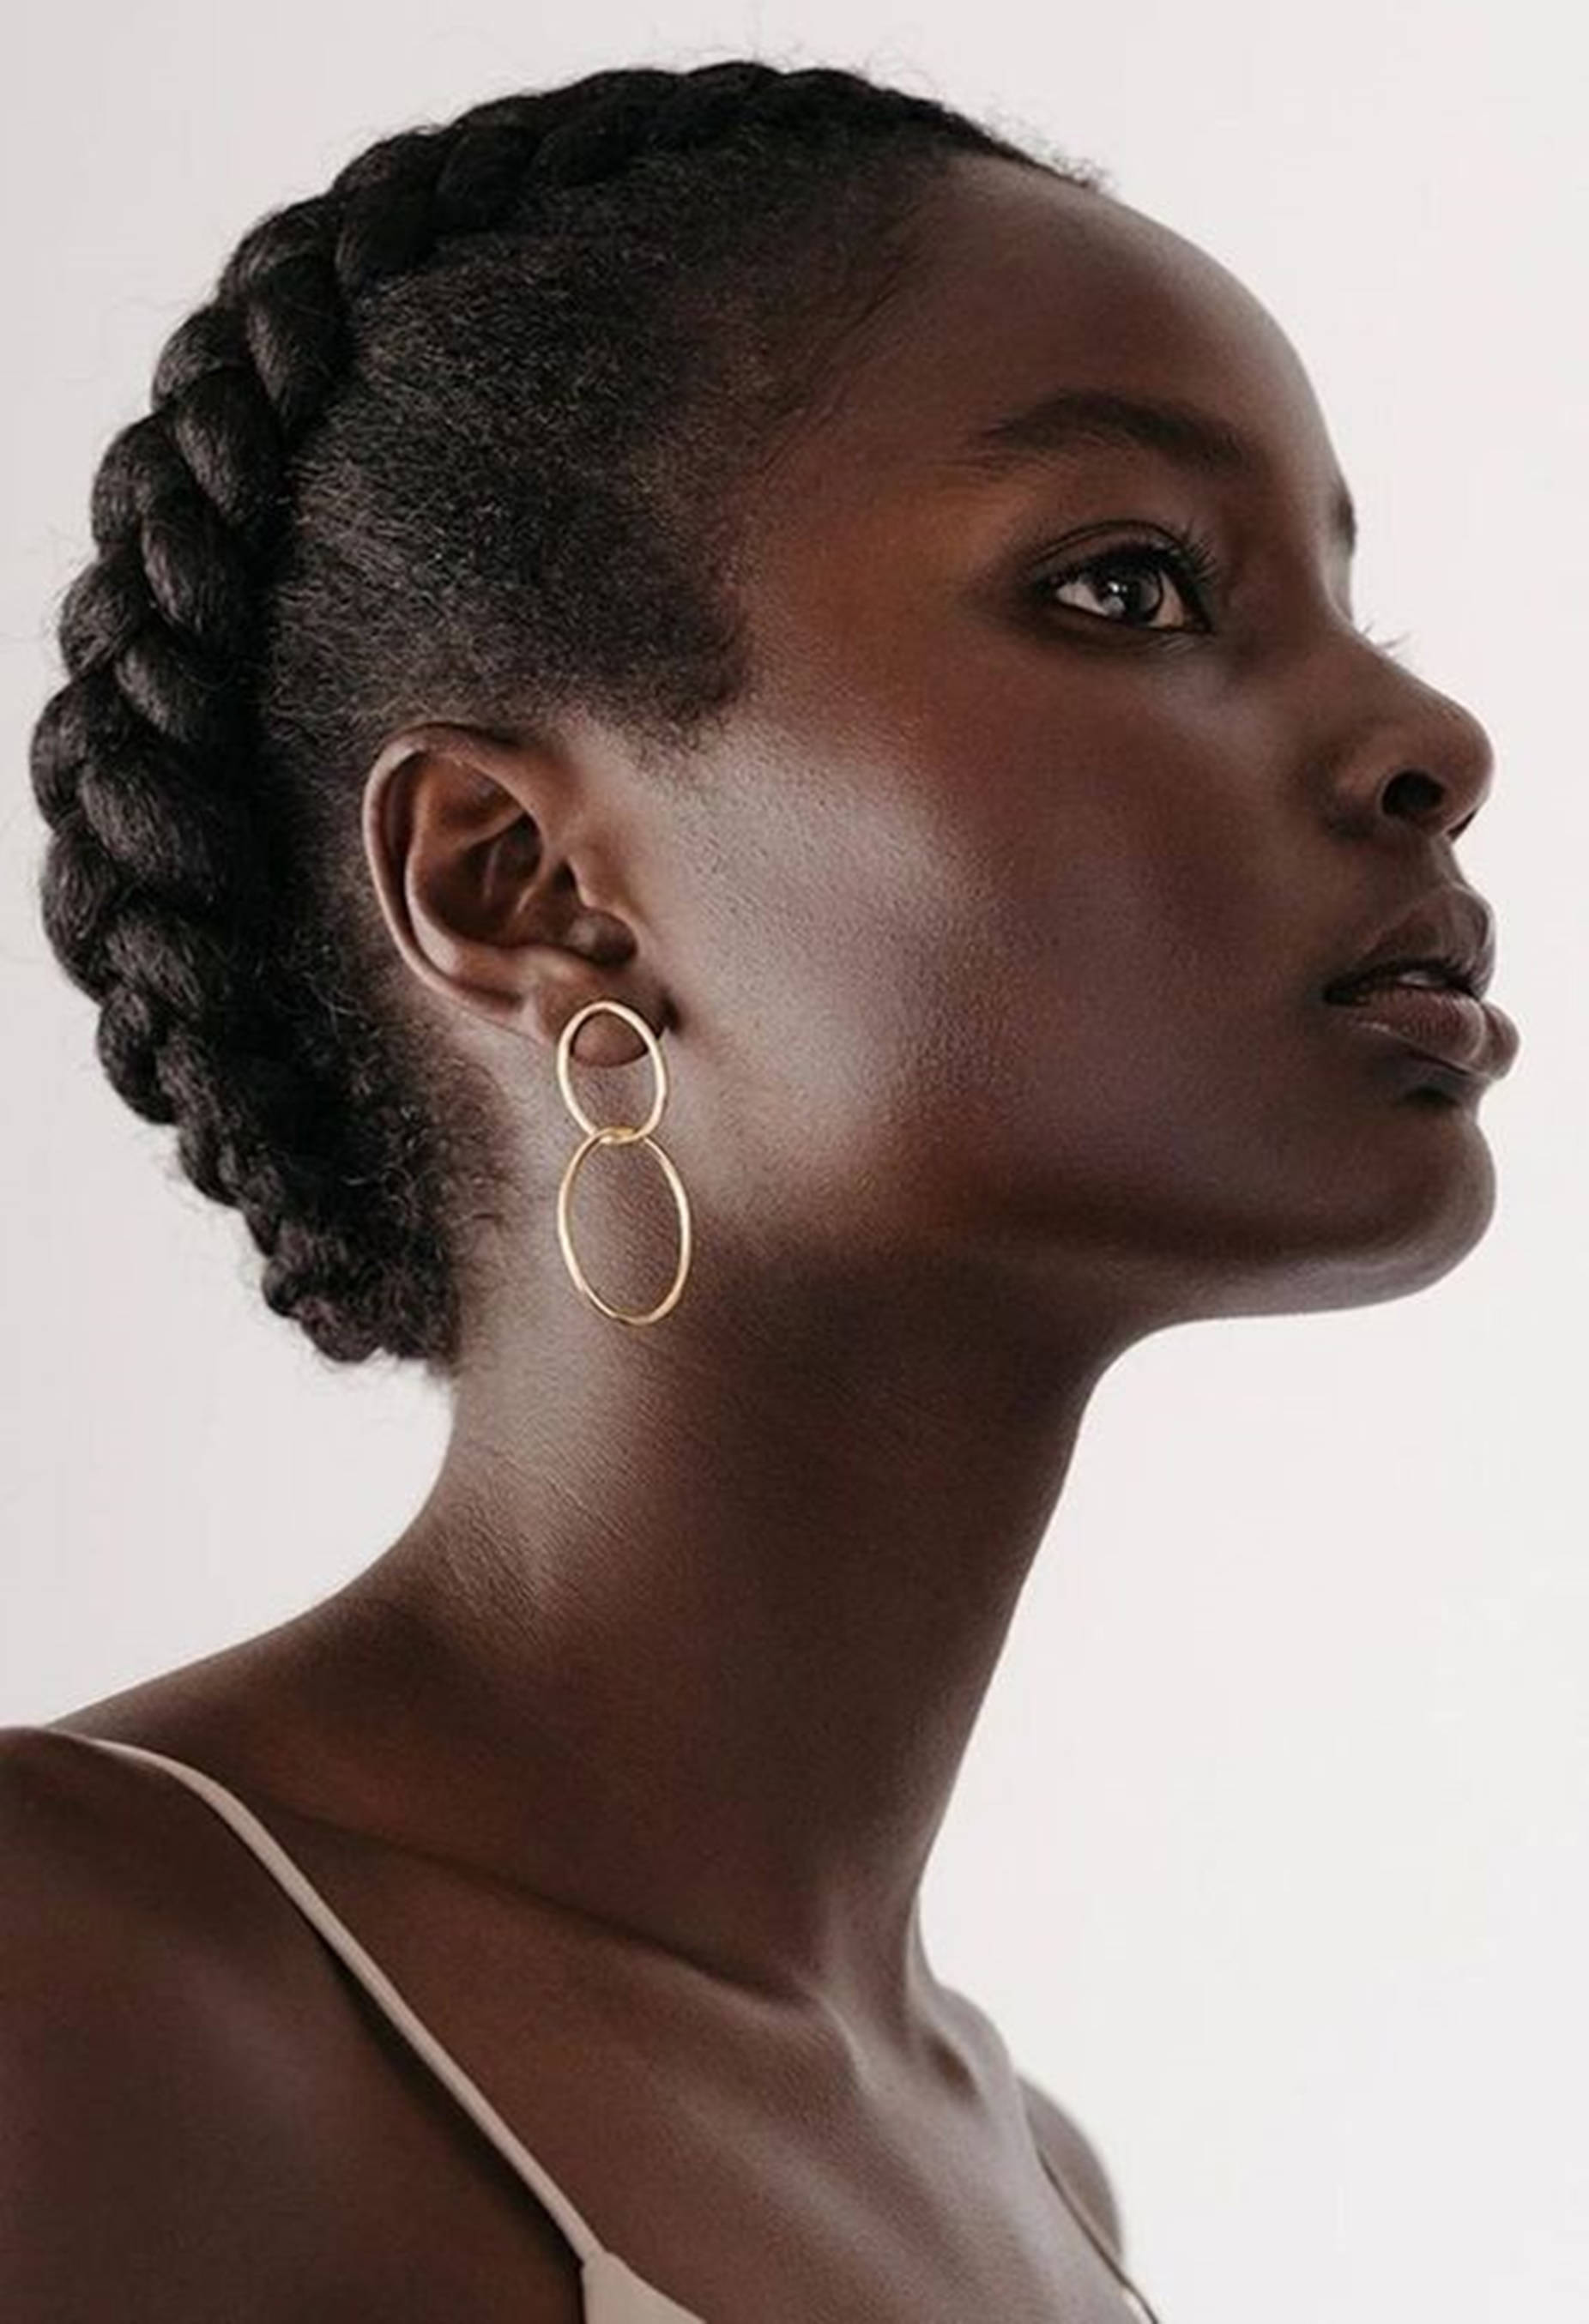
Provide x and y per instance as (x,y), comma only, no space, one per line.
(1442,1021)
(1423,983)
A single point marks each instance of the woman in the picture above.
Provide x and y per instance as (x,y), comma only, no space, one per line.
(747,576)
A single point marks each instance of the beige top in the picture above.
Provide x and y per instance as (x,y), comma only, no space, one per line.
(613,2292)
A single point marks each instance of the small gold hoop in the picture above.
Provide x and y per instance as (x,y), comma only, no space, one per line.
(565,1054)
(615,1133)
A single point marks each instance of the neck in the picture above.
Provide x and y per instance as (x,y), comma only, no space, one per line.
(705,1611)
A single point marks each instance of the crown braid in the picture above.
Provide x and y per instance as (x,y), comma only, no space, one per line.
(198,770)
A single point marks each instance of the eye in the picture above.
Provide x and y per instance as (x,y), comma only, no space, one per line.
(1128,582)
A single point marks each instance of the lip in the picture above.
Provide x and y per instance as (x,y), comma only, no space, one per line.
(1450,923)
(1456,1029)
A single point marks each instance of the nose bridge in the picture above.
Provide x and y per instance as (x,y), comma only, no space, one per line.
(1411,750)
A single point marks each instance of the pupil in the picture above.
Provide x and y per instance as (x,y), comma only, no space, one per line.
(1134,578)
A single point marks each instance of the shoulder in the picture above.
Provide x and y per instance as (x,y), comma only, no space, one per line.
(193,2121)
(1071,2155)
(1062,2142)
(129,1921)
(110,1911)
(125,2067)
(100,1855)
(73,1839)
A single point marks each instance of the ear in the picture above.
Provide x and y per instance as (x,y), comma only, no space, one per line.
(496,885)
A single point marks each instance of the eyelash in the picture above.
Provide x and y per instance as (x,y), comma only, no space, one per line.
(1192,560)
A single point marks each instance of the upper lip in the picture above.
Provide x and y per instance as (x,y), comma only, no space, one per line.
(1451,927)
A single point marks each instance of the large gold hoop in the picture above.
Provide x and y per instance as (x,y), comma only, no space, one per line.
(618,1134)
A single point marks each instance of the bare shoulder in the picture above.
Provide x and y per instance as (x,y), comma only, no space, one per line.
(108,2092)
(99,1857)
(193,2121)
(127,2065)
(74,1846)
(1066,2148)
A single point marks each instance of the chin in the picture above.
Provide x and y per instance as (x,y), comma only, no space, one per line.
(1397,1223)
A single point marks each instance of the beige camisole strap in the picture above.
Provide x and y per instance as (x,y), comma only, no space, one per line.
(613,2292)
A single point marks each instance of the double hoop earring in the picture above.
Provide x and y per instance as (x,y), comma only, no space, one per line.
(618,1133)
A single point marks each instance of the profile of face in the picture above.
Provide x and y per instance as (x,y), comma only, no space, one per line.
(998,925)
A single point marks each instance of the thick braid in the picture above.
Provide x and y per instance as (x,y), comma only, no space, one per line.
(168,877)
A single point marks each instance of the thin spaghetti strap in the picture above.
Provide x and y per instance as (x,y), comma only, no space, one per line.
(374,1977)
(1138,2304)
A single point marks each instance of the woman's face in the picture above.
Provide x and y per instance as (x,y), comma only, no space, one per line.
(1026,890)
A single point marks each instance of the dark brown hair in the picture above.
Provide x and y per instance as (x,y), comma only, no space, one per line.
(457,439)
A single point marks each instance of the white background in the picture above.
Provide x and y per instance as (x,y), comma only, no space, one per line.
(1268,1853)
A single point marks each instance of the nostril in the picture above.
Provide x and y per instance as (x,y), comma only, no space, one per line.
(1413,793)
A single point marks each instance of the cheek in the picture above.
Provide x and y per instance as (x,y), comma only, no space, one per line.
(996,974)
(1030,931)
(1122,910)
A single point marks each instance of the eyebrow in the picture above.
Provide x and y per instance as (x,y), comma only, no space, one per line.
(1070,417)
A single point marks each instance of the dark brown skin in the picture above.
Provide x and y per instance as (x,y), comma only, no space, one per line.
(987,942)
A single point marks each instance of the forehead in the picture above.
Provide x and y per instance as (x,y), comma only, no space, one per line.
(1022,285)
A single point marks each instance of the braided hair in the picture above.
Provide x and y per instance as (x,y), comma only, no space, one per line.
(455,440)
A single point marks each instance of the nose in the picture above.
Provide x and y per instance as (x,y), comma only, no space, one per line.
(1416,755)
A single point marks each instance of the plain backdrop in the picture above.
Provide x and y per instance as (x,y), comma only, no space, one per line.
(1268,1854)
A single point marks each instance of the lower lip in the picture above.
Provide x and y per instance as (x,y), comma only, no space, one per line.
(1453,1027)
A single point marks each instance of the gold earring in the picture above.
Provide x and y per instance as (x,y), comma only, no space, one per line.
(616,1133)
